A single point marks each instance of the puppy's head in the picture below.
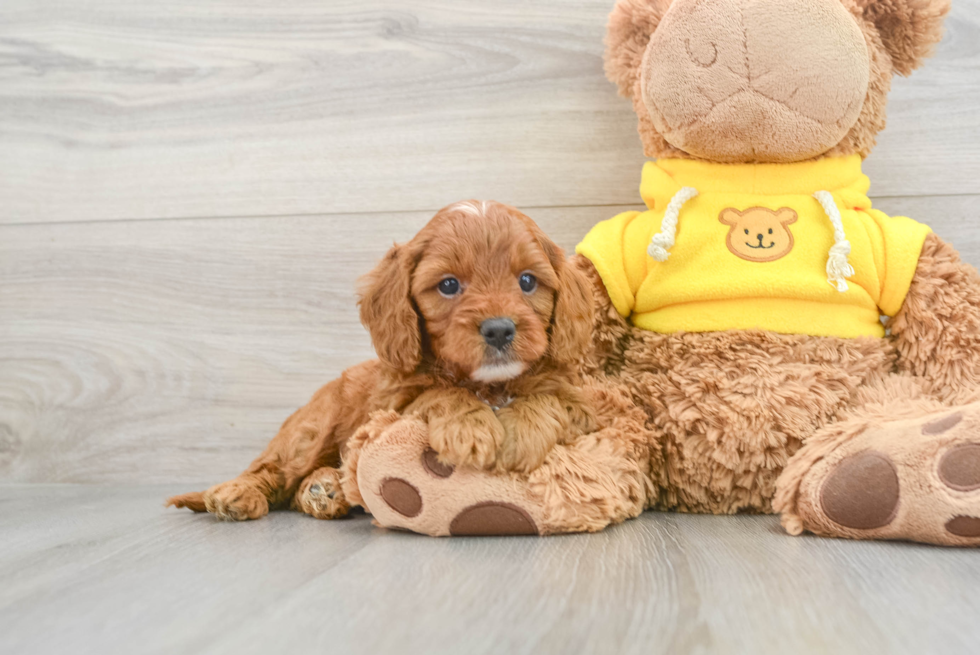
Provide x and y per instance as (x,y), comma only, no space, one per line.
(481,290)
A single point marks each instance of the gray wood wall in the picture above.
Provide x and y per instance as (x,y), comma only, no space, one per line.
(188,191)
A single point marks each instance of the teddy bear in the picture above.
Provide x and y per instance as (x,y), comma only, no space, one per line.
(742,315)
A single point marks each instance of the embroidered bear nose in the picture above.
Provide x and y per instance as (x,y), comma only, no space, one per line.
(498,332)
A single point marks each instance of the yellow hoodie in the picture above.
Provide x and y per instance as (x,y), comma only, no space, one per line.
(742,246)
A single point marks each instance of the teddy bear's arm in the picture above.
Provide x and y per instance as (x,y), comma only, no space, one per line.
(610,330)
(937,330)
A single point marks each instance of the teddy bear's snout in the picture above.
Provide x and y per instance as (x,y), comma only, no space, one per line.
(766,80)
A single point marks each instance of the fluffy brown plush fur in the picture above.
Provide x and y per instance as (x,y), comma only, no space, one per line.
(434,363)
(731,408)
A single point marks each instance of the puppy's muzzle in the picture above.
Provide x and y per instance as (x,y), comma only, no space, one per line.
(498,332)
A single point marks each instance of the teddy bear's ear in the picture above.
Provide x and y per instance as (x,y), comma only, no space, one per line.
(631,24)
(909,29)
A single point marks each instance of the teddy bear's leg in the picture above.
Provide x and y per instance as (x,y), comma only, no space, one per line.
(320,495)
(901,467)
(906,463)
(599,479)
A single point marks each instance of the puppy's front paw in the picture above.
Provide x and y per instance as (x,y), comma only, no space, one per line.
(236,500)
(528,438)
(471,439)
(321,496)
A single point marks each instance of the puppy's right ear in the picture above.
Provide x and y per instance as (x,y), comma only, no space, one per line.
(387,311)
(631,24)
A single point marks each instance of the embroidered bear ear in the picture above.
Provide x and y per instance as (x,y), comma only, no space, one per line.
(631,24)
(909,29)
(730,216)
(786,216)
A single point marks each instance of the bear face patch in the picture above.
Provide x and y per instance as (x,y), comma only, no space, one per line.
(759,234)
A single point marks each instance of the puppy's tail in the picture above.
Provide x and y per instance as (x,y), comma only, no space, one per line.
(193,501)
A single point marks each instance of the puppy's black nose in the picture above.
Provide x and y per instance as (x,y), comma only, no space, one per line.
(498,332)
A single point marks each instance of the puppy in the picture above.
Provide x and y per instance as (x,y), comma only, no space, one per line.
(480,326)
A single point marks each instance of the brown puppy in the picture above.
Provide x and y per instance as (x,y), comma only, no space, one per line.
(479,325)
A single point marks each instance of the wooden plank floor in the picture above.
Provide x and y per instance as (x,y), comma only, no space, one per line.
(114,109)
(107,570)
(187,193)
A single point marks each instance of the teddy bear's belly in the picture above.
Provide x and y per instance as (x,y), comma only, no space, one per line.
(730,408)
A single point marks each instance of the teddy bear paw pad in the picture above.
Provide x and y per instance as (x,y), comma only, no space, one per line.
(862,492)
(959,468)
(402,497)
(492,519)
(430,460)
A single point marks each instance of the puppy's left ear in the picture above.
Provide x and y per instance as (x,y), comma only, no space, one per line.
(909,29)
(571,326)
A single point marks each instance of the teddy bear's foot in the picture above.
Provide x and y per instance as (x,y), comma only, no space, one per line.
(403,484)
(600,479)
(321,496)
(916,479)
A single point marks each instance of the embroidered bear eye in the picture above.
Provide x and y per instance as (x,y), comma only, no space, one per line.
(770,230)
(746,231)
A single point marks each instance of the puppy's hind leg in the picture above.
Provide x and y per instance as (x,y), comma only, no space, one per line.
(309,439)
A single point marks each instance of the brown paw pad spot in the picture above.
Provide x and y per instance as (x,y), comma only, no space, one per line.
(492,519)
(964,526)
(944,424)
(862,492)
(401,497)
(430,460)
(959,468)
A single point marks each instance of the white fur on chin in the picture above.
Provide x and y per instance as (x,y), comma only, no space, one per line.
(497,372)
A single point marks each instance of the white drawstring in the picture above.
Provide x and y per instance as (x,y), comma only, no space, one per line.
(838,268)
(662,241)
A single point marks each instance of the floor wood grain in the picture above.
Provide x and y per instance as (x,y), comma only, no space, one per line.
(121,110)
(107,570)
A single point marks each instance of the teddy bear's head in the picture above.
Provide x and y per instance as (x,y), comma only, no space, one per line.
(765,80)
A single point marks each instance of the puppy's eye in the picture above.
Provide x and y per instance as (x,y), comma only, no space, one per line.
(449,287)
(528,283)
